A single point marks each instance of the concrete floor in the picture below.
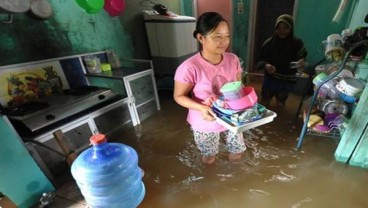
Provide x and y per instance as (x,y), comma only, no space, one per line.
(272,172)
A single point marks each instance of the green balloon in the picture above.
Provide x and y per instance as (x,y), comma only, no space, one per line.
(91,6)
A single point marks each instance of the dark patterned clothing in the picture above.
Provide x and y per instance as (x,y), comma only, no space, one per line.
(280,52)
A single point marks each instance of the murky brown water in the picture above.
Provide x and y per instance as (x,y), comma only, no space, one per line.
(271,173)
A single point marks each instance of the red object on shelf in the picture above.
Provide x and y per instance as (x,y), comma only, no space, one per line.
(114,7)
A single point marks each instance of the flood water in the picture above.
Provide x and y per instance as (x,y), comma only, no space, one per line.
(272,173)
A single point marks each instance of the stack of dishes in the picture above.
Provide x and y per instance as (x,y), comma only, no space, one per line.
(238,104)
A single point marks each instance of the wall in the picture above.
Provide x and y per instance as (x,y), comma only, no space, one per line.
(360,11)
(186,8)
(72,31)
(240,30)
(133,22)
(224,9)
(240,25)
(314,22)
(69,31)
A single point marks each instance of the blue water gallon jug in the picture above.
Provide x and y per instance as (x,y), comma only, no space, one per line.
(108,175)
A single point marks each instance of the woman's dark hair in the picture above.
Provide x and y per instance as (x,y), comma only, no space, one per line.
(207,22)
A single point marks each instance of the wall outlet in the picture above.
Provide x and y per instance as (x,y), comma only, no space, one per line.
(240,8)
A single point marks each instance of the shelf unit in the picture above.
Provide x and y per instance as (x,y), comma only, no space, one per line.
(335,133)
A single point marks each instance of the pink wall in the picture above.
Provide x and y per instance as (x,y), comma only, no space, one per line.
(224,8)
(221,6)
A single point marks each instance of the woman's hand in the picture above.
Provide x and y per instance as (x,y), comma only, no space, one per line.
(297,64)
(209,101)
(300,64)
(270,68)
(207,113)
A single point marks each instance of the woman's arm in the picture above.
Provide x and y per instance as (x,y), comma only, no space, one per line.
(181,96)
(239,76)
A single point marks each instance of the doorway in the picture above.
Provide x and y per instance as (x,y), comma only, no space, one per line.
(264,14)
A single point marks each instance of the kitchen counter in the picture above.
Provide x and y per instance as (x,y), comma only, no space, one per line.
(137,83)
(117,73)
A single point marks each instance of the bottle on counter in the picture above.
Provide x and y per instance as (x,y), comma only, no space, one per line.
(93,64)
(108,174)
(113,59)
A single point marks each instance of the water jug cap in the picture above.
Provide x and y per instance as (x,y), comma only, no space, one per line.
(97,139)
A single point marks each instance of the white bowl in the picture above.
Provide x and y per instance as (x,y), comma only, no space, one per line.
(350,86)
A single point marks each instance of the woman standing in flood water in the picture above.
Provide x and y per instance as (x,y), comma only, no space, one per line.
(198,81)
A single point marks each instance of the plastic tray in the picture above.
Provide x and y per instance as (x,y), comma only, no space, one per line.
(267,117)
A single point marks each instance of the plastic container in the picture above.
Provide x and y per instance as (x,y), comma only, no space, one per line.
(248,100)
(113,59)
(328,90)
(334,106)
(93,64)
(314,120)
(334,50)
(232,90)
(350,86)
(108,174)
(319,78)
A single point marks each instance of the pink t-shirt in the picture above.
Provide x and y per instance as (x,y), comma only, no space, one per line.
(207,80)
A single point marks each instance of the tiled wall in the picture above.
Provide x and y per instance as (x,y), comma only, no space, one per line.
(26,82)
